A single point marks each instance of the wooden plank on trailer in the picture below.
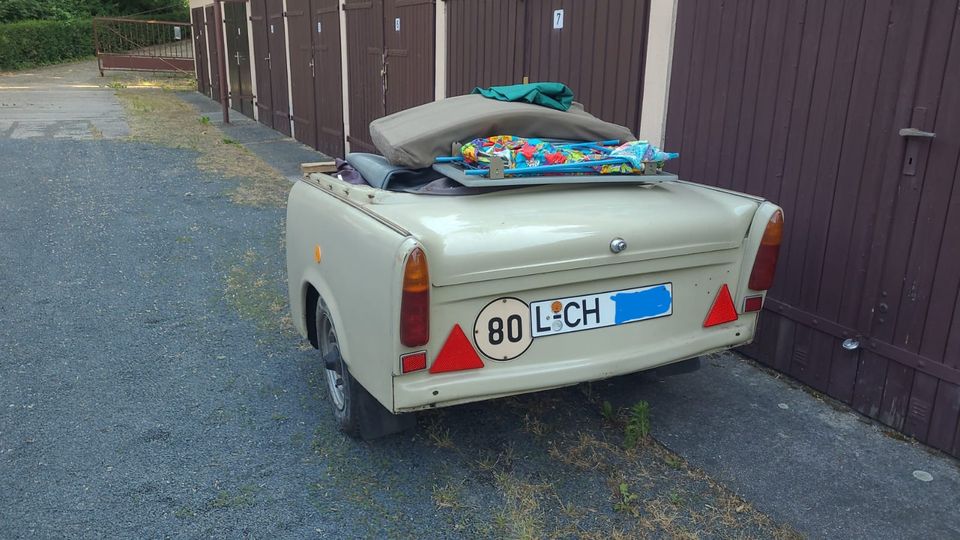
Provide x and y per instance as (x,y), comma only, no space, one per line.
(318,167)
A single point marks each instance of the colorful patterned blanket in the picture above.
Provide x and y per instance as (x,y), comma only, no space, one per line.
(602,157)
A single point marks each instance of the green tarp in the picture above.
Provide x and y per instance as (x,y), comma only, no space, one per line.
(548,94)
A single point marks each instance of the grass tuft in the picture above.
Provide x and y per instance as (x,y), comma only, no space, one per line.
(158,116)
(638,425)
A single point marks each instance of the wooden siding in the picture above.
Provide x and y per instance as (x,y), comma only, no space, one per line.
(802,101)
(484,44)
(599,52)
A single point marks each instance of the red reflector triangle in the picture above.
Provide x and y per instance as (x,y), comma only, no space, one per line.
(457,354)
(723,310)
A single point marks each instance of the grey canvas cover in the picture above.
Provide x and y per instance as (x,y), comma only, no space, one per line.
(416,137)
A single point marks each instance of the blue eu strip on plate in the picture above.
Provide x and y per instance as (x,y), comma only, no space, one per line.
(645,304)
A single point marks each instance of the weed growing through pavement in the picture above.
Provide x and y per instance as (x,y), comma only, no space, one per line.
(638,425)
(626,502)
(225,499)
(184,512)
(607,411)
(448,496)
(438,435)
(205,120)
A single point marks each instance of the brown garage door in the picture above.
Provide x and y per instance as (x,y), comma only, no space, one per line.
(364,66)
(238,61)
(408,39)
(390,61)
(484,44)
(804,103)
(212,57)
(597,48)
(277,38)
(270,59)
(302,69)
(328,92)
(200,51)
(261,60)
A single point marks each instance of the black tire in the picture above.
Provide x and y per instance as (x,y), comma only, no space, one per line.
(356,412)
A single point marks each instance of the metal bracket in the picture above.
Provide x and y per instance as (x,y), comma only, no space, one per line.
(496,168)
(455,148)
(649,168)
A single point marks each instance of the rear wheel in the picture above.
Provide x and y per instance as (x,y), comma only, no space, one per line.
(356,412)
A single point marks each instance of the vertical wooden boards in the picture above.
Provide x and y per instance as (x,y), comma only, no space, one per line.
(802,102)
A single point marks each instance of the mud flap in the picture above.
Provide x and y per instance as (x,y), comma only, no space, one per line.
(376,421)
(678,368)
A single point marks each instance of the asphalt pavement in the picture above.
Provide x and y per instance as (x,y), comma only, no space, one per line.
(149,387)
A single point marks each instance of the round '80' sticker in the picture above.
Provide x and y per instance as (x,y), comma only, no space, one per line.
(502,330)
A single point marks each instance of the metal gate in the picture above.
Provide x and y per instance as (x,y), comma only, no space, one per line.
(390,61)
(841,113)
(238,60)
(200,51)
(139,45)
(597,48)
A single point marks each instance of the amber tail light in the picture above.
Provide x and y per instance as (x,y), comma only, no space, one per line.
(415,301)
(765,265)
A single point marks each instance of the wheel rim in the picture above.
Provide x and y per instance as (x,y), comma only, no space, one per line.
(328,343)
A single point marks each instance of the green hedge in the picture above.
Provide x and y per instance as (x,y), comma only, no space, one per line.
(32,43)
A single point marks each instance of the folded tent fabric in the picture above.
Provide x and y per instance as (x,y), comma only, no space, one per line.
(416,137)
(547,94)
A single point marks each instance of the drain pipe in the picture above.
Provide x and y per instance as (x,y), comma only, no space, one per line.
(221,60)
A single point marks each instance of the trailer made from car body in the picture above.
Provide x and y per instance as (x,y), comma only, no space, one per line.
(418,301)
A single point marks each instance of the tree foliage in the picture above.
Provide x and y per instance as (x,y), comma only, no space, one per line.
(20,10)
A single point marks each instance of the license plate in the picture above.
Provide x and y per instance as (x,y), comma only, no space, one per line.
(576,313)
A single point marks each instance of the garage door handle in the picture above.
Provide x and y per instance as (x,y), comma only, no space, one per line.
(914,132)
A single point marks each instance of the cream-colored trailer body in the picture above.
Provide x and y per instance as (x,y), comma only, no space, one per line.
(526,249)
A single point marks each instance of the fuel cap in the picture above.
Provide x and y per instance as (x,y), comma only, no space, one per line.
(617,245)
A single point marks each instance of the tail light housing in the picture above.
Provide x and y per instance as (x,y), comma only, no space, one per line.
(415,301)
(765,265)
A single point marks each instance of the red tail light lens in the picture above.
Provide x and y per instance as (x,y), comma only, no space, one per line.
(415,302)
(765,265)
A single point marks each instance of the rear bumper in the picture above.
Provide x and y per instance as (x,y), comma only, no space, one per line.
(423,390)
